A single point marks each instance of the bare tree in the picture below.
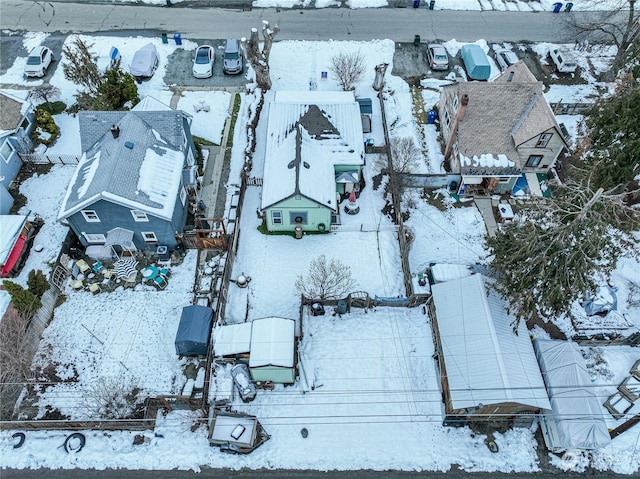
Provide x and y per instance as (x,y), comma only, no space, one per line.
(405,158)
(15,359)
(613,22)
(347,69)
(326,279)
(45,92)
(81,66)
(259,58)
(113,397)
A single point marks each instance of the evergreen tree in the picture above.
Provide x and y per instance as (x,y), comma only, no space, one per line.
(613,137)
(25,302)
(37,282)
(555,251)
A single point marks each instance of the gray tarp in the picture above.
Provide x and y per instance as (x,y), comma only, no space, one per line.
(144,61)
(194,330)
(576,409)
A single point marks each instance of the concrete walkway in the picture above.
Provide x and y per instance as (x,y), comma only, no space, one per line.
(212,176)
(486,207)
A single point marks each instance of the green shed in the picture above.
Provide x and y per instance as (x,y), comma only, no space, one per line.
(272,356)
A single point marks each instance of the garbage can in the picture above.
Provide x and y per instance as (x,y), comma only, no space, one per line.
(432,116)
(164,38)
(568,7)
(416,3)
(432,3)
(177,37)
(556,7)
(416,40)
(342,307)
(298,232)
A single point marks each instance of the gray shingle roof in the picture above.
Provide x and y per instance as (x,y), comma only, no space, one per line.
(499,117)
(113,166)
(10,113)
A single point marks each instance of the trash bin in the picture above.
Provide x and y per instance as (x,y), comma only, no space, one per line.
(432,3)
(432,116)
(164,38)
(342,307)
(568,7)
(556,7)
(298,232)
(416,40)
(177,37)
(416,3)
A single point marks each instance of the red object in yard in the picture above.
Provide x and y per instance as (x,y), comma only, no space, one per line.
(15,255)
(352,196)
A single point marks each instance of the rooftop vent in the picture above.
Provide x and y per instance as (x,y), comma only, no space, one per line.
(128,144)
(115,131)
(510,77)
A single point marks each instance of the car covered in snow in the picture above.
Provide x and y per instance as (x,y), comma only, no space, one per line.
(242,380)
(203,61)
(38,61)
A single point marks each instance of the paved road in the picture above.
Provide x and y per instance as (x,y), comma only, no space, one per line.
(398,24)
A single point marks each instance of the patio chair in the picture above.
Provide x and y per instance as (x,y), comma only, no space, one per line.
(76,284)
(95,288)
(166,272)
(160,282)
(97,266)
(130,281)
(83,266)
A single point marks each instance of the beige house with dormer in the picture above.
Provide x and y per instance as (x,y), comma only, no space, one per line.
(499,134)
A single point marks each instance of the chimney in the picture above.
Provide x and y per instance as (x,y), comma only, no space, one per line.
(115,131)
(453,131)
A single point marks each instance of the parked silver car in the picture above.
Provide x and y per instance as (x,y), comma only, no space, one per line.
(505,58)
(232,59)
(242,380)
(437,57)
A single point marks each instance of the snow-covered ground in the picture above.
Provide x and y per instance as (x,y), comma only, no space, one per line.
(376,402)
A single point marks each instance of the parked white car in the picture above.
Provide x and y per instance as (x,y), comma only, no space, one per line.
(242,380)
(38,61)
(564,61)
(203,61)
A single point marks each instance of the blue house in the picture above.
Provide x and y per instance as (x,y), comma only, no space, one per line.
(16,123)
(133,177)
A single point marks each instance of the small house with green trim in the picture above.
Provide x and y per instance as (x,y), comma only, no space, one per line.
(314,158)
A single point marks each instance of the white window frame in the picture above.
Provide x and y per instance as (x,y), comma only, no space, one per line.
(28,122)
(95,238)
(274,220)
(183,195)
(139,216)
(11,150)
(190,159)
(90,216)
(543,140)
(149,237)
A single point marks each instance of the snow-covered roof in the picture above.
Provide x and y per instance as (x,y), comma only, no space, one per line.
(309,133)
(141,169)
(272,342)
(576,409)
(486,363)
(10,228)
(148,103)
(231,339)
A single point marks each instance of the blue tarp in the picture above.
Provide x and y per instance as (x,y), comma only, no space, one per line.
(521,186)
(475,62)
(194,330)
